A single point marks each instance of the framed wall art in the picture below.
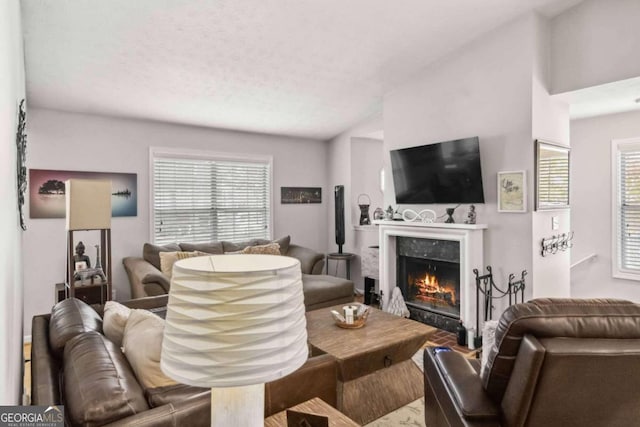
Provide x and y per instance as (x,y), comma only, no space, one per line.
(299,195)
(21,145)
(512,191)
(47,192)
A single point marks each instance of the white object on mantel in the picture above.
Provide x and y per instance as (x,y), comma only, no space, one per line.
(396,304)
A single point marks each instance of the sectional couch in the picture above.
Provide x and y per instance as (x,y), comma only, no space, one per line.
(146,278)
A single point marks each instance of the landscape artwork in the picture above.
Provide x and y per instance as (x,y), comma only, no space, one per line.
(289,195)
(47,197)
(512,195)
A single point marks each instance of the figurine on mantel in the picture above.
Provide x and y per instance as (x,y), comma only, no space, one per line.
(388,215)
(378,214)
(471,216)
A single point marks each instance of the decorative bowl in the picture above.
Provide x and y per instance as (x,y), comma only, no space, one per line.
(359,317)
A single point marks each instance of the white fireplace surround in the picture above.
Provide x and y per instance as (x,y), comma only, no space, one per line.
(470,238)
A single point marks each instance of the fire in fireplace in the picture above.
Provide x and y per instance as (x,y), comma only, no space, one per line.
(431,284)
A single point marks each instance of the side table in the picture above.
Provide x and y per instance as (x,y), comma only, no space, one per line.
(341,256)
(91,293)
(314,406)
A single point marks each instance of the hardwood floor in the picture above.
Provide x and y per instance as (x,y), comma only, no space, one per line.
(26,393)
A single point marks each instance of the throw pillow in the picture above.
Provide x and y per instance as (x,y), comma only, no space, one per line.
(150,252)
(142,344)
(114,321)
(238,247)
(284,243)
(488,341)
(167,259)
(270,249)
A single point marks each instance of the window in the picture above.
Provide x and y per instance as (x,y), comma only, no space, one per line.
(626,208)
(201,197)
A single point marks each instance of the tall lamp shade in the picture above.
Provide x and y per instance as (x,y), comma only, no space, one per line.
(235,322)
(88,204)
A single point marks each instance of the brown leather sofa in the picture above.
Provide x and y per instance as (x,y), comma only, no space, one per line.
(555,362)
(320,290)
(75,365)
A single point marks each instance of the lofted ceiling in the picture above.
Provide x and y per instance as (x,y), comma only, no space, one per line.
(307,68)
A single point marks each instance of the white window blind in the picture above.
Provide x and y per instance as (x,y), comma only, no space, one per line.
(627,215)
(553,181)
(205,199)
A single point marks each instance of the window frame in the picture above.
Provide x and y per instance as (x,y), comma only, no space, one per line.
(617,271)
(185,153)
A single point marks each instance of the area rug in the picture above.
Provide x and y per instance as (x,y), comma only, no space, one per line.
(411,415)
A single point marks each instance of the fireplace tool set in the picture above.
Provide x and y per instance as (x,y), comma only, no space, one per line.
(487,289)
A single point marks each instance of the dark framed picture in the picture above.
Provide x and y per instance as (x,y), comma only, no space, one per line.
(299,195)
(47,192)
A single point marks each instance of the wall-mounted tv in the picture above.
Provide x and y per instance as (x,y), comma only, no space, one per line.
(445,172)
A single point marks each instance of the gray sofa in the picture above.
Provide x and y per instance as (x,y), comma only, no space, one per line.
(320,290)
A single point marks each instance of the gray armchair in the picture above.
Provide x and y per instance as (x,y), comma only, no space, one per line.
(559,362)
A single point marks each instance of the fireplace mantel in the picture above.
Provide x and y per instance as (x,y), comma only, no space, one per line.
(470,238)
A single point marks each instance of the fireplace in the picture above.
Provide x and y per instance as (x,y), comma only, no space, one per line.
(428,273)
(430,285)
(412,253)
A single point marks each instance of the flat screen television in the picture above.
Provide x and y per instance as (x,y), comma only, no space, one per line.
(445,172)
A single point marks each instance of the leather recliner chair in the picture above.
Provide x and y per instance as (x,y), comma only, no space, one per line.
(555,362)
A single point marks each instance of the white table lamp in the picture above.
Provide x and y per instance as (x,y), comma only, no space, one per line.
(235,322)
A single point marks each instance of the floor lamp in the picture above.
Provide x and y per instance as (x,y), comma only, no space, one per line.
(235,322)
(88,207)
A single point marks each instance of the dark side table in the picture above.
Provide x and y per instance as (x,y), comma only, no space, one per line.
(337,257)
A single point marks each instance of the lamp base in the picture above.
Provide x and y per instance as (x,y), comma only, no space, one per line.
(238,406)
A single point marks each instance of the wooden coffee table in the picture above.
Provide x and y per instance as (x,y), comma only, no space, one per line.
(375,372)
(314,406)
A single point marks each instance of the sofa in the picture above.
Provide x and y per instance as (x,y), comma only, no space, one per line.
(553,362)
(74,364)
(147,279)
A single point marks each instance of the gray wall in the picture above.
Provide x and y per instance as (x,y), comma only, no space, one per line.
(67,141)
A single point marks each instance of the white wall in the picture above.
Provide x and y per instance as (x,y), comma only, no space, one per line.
(67,141)
(484,90)
(340,172)
(366,163)
(11,291)
(549,122)
(595,42)
(591,201)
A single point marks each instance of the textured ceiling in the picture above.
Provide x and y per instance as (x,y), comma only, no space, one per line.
(307,68)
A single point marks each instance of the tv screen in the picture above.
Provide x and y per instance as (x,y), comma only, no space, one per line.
(445,172)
